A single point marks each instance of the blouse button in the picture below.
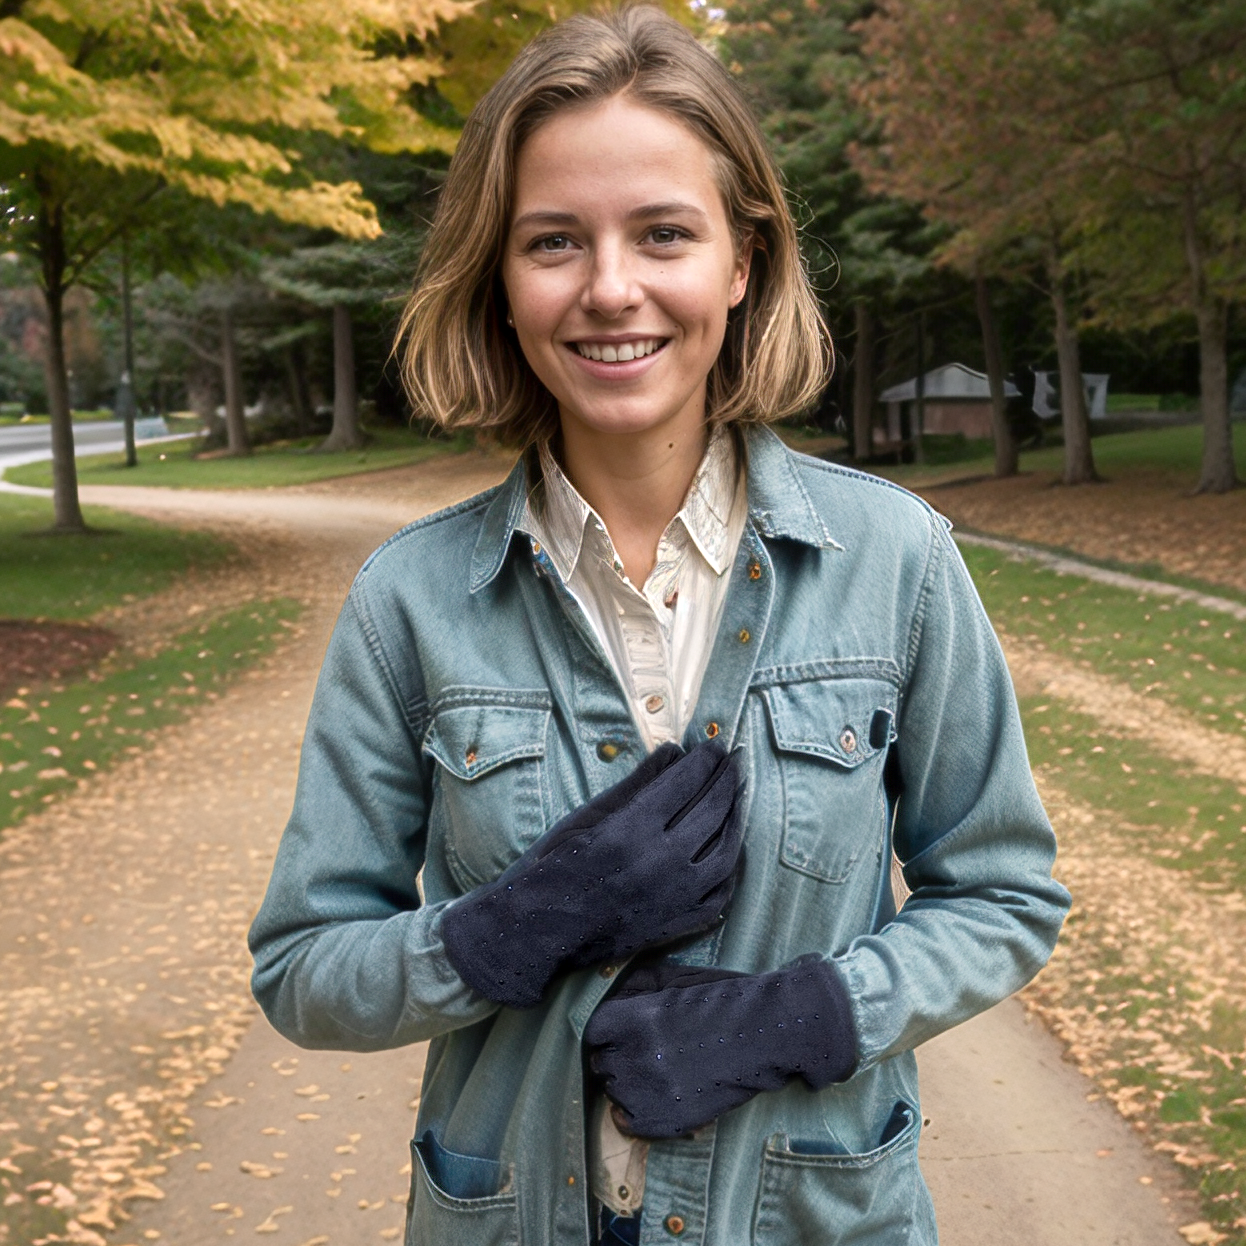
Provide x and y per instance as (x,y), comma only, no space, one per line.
(654,703)
(674,1225)
(848,740)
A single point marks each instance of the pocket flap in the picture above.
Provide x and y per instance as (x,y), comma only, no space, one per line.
(845,721)
(471,740)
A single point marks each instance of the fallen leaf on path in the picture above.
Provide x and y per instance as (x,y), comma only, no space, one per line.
(1200,1233)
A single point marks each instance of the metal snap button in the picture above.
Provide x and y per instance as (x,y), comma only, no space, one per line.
(608,971)
(848,740)
(536,547)
(673,1224)
(471,756)
(745,635)
(654,703)
(608,750)
(754,571)
(711,730)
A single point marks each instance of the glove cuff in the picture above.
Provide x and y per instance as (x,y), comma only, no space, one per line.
(828,1051)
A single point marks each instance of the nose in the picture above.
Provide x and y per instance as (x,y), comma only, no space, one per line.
(612,288)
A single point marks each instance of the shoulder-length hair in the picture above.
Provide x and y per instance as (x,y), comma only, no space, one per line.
(460,363)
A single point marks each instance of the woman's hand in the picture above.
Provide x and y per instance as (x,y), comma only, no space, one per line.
(677,1046)
(648,861)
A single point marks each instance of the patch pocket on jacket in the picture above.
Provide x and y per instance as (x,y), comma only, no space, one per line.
(831,737)
(446,1205)
(487,789)
(809,1195)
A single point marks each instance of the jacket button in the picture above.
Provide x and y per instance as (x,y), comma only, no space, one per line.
(471,756)
(711,730)
(654,703)
(754,571)
(848,740)
(674,1224)
(608,750)
(608,971)
(745,635)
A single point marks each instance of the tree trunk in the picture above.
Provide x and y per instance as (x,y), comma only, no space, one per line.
(1005,446)
(346,433)
(67,513)
(126,400)
(300,394)
(863,386)
(235,417)
(1218,473)
(1079,463)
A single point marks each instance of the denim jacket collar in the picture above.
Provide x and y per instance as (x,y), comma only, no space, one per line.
(779,506)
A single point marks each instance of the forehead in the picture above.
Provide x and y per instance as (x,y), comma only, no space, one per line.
(611,153)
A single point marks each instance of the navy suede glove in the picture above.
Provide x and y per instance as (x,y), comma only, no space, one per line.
(676,1046)
(648,861)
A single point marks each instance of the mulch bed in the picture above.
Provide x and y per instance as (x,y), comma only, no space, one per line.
(34,652)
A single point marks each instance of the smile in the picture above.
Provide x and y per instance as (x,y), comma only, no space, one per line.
(619,352)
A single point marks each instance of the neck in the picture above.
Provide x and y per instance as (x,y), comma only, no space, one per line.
(635,481)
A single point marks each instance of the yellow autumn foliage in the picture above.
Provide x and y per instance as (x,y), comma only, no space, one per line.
(201,93)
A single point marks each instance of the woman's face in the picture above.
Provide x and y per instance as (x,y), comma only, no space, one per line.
(620,266)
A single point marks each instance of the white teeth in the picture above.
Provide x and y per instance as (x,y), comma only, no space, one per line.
(623,353)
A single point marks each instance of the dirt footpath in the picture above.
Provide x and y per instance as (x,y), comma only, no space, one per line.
(145,1098)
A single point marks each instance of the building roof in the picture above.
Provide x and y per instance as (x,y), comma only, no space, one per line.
(951,382)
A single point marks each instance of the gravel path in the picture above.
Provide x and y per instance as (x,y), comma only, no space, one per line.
(140,1083)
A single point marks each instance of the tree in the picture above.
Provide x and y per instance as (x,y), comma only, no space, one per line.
(970,98)
(104,103)
(802,65)
(1163,115)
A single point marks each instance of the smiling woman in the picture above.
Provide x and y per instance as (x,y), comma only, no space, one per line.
(648,720)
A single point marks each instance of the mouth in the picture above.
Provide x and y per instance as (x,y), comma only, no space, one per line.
(619,352)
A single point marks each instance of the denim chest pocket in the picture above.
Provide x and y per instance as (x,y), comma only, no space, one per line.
(831,738)
(487,800)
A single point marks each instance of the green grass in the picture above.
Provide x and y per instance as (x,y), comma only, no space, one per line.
(1167,1070)
(1191,657)
(54,737)
(1174,452)
(11,413)
(1182,819)
(173,465)
(73,577)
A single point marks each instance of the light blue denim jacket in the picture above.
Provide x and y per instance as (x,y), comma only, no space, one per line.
(465,706)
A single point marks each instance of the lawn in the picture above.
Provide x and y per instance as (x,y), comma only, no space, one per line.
(1189,656)
(74,577)
(173,465)
(53,737)
(1167,1057)
(1173,451)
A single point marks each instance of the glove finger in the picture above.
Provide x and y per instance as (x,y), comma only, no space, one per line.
(678,786)
(609,802)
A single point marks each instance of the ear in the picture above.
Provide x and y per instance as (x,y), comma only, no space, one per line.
(744,261)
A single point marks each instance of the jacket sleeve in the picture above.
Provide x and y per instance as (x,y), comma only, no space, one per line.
(346,953)
(970,831)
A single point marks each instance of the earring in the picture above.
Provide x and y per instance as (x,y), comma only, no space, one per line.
(510,319)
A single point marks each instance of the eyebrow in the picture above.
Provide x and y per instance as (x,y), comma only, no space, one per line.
(672,207)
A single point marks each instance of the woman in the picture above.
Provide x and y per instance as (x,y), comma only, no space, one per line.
(612,283)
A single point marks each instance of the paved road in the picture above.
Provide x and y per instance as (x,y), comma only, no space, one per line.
(32,443)
(315,1144)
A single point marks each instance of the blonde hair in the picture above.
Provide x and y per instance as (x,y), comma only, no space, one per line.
(460,364)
